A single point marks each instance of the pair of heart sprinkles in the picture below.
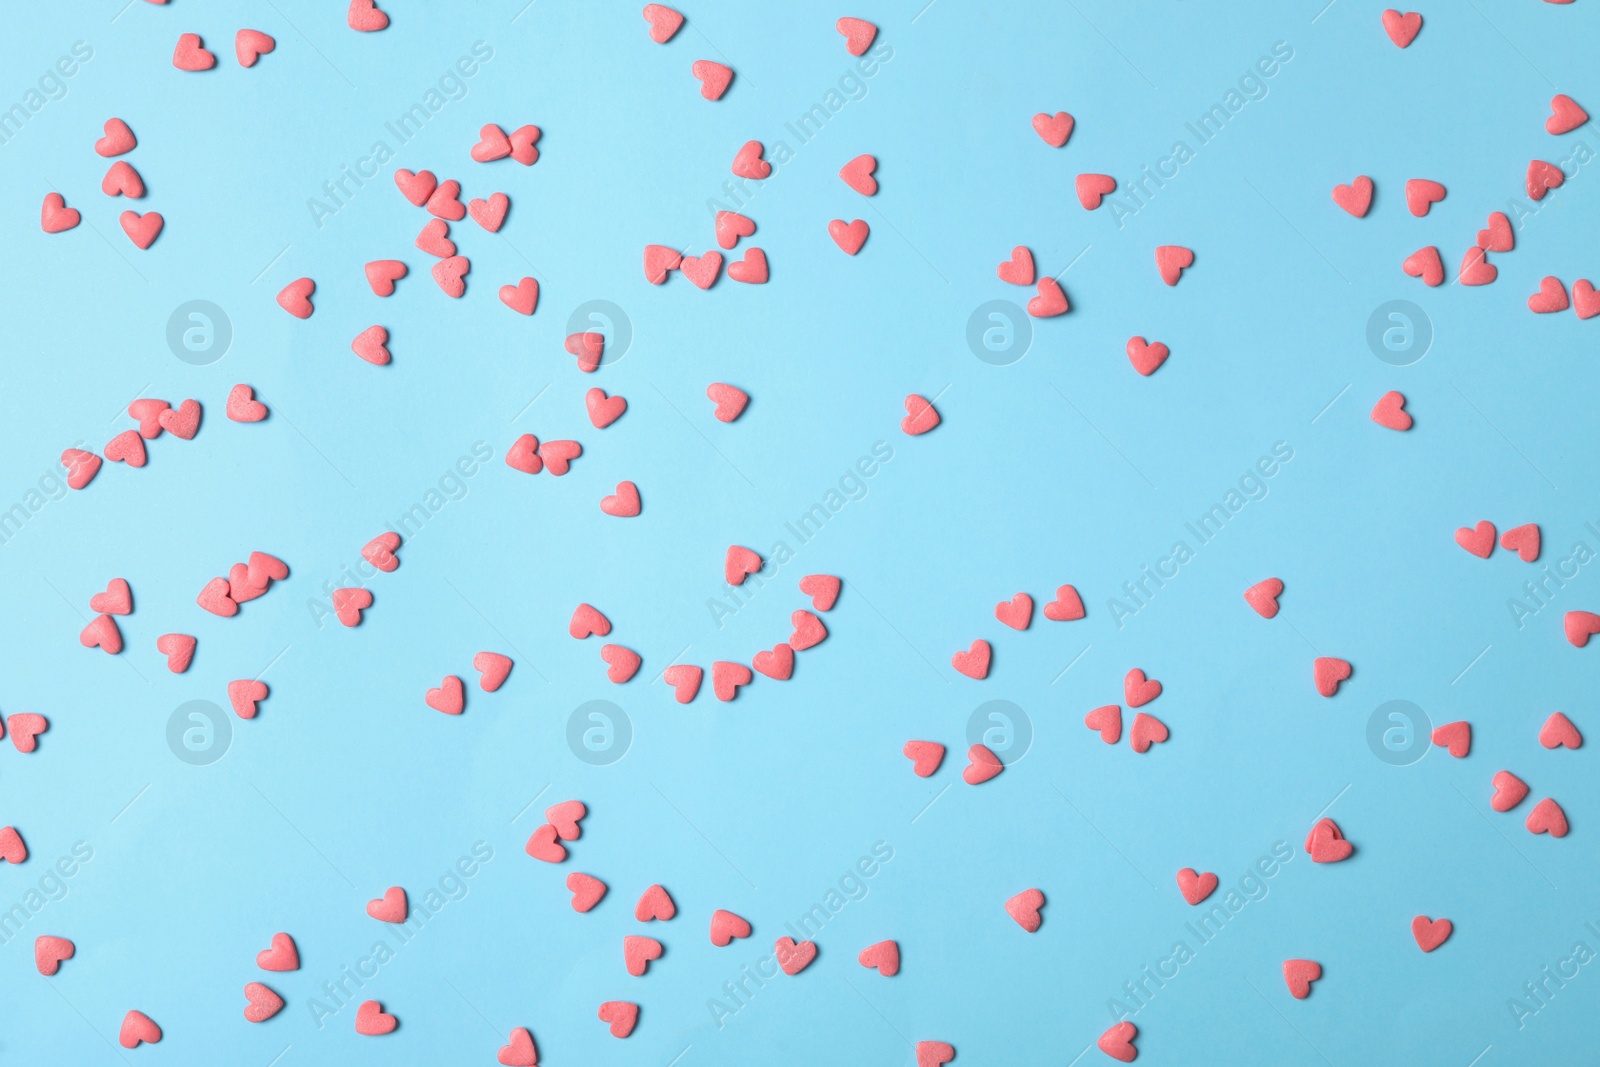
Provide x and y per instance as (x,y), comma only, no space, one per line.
(121,180)
(1327,672)
(1026,910)
(622,663)
(449,697)
(1479,540)
(24,728)
(192,55)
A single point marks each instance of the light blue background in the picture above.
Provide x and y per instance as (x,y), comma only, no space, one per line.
(1062,467)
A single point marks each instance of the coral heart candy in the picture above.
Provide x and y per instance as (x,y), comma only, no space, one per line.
(982,765)
(1356,197)
(1195,886)
(637,952)
(1430,933)
(142,230)
(586,890)
(520,1051)
(1327,672)
(664,22)
(1509,791)
(883,956)
(1093,188)
(1425,263)
(1053,130)
(249,45)
(620,1015)
(1107,721)
(1565,115)
(1263,597)
(373,1021)
(284,955)
(1390,411)
(921,416)
(542,845)
(1117,1042)
(262,1002)
(1579,627)
(858,174)
(792,957)
(116,600)
(858,34)
(777,664)
(823,589)
(1139,690)
(624,503)
(714,78)
(622,663)
(1422,194)
(725,926)
(1299,974)
(1066,607)
(1018,270)
(1147,730)
(49,951)
(1326,843)
(1017,612)
(392,907)
(1454,737)
(1051,301)
(747,163)
(56,216)
(1024,909)
(1401,28)
(117,141)
(1558,731)
(1146,357)
(1478,540)
(1172,261)
(849,236)
(138,1028)
(25,728)
(493,668)
(974,662)
(191,55)
(363,16)
(925,756)
(655,904)
(1547,818)
(685,680)
(587,620)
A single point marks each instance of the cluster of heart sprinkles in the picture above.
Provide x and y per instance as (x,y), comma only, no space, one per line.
(553,841)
